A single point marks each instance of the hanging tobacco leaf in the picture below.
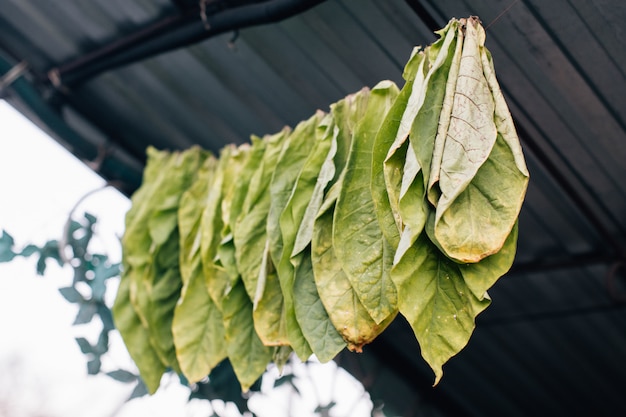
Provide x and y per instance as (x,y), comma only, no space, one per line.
(345,311)
(197,326)
(246,352)
(316,326)
(358,241)
(137,338)
(482,177)
(251,251)
(292,224)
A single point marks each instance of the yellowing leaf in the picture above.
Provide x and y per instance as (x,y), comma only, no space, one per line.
(198,330)
(137,339)
(250,232)
(293,222)
(268,304)
(226,249)
(197,326)
(250,238)
(480,219)
(214,219)
(345,311)
(192,205)
(357,239)
(481,276)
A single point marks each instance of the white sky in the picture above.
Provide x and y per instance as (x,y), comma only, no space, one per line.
(39,184)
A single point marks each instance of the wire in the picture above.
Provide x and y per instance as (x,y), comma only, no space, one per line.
(502,13)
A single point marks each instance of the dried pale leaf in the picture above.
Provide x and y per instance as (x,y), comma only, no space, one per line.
(478,222)
(436,87)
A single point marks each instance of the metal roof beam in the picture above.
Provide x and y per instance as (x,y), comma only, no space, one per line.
(172,32)
(116,165)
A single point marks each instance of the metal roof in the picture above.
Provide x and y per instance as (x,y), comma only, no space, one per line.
(554,339)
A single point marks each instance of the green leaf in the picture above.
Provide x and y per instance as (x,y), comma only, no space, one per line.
(294,222)
(49,250)
(437,302)
(274,295)
(190,211)
(268,305)
(27,251)
(481,276)
(298,146)
(163,183)
(156,289)
(483,215)
(412,204)
(215,217)
(316,326)
(84,345)
(93,366)
(344,309)
(71,294)
(358,241)
(245,350)
(86,311)
(250,238)
(136,338)
(390,147)
(140,390)
(281,356)
(198,330)
(250,232)
(197,325)
(122,375)
(6,247)
(288,380)
(105,317)
(347,113)
(226,250)
(469,223)
(163,295)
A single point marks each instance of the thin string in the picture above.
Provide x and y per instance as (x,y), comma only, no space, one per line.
(501,14)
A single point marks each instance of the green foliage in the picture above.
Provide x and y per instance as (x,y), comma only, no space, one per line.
(94,270)
(396,200)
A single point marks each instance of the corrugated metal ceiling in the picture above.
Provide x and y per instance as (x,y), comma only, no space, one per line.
(554,340)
